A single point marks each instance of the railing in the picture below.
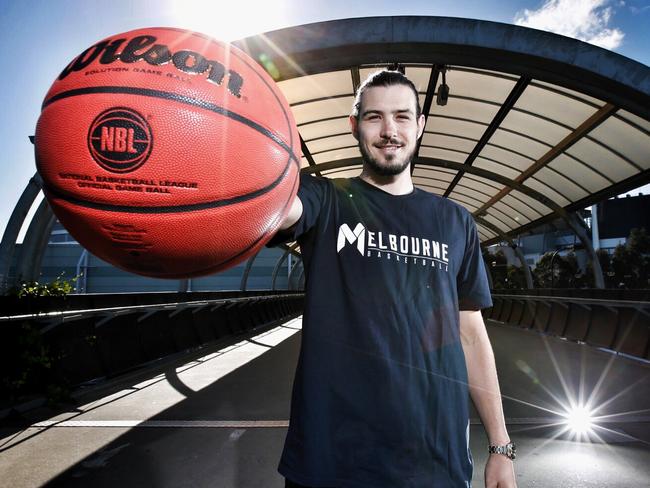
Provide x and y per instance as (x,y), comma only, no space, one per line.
(85,343)
(618,325)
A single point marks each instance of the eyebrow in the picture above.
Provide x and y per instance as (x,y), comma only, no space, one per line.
(400,111)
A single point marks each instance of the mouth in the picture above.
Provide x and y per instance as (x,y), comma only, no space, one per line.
(389,148)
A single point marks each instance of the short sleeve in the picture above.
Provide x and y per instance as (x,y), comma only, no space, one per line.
(312,193)
(471,281)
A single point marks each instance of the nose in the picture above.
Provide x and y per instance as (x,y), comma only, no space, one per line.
(388,128)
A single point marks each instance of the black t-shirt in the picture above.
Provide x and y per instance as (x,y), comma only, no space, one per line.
(380,395)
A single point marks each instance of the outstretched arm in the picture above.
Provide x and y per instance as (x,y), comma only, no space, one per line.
(485,393)
(294,214)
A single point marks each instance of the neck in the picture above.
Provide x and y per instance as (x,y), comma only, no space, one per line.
(400,184)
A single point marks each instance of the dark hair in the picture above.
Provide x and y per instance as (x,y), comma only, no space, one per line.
(384,77)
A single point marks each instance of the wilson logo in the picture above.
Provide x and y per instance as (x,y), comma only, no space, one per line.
(119,140)
(144,48)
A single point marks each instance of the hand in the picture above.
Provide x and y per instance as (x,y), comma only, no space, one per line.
(499,472)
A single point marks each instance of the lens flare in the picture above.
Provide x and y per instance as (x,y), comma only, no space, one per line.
(579,420)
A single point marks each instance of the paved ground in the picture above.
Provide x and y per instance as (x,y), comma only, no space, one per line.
(219,420)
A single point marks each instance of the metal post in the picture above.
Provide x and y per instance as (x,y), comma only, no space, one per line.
(8,244)
(28,265)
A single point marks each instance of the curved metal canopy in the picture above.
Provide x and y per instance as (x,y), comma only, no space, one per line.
(536,124)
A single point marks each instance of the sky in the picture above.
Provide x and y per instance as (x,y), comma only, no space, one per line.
(38,38)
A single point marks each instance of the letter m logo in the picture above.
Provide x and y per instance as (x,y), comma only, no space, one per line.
(349,236)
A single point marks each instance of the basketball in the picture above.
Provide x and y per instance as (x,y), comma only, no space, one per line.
(167,153)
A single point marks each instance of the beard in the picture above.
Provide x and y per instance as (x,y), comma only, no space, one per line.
(393,169)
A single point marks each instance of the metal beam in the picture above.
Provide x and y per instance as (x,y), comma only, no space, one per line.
(28,264)
(308,156)
(507,105)
(281,260)
(247,269)
(527,274)
(587,126)
(295,267)
(426,108)
(8,244)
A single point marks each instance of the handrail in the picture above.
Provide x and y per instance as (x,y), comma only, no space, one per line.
(576,300)
(61,316)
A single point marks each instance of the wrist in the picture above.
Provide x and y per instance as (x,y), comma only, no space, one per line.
(509,449)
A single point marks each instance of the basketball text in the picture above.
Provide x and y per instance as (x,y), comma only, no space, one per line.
(144,48)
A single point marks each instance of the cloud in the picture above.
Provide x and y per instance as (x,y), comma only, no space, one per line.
(587,20)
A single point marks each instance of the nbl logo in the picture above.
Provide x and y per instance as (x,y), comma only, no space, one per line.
(120,140)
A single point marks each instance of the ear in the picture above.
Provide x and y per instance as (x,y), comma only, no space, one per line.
(421,123)
(354,127)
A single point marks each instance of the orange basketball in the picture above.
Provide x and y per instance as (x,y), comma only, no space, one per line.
(168,153)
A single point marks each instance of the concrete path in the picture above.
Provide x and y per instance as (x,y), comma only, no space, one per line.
(219,420)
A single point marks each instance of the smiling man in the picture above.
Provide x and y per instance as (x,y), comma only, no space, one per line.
(392,330)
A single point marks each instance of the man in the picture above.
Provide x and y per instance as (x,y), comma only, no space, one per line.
(380,393)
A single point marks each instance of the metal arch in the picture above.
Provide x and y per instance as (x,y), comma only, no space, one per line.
(274,276)
(28,266)
(341,44)
(247,270)
(8,244)
(301,278)
(522,259)
(295,267)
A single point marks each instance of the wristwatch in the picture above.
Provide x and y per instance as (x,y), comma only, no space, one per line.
(509,450)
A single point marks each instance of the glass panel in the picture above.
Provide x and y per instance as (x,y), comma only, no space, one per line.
(325,128)
(564,185)
(547,191)
(554,106)
(429,152)
(472,192)
(466,109)
(478,85)
(538,206)
(507,157)
(575,171)
(635,119)
(625,139)
(497,223)
(472,130)
(497,168)
(449,142)
(347,172)
(520,208)
(422,170)
(328,84)
(329,143)
(515,214)
(568,91)
(419,77)
(337,155)
(482,184)
(543,130)
(518,143)
(309,112)
(601,159)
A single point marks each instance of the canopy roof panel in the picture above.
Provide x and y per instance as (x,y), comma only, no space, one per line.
(535,123)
